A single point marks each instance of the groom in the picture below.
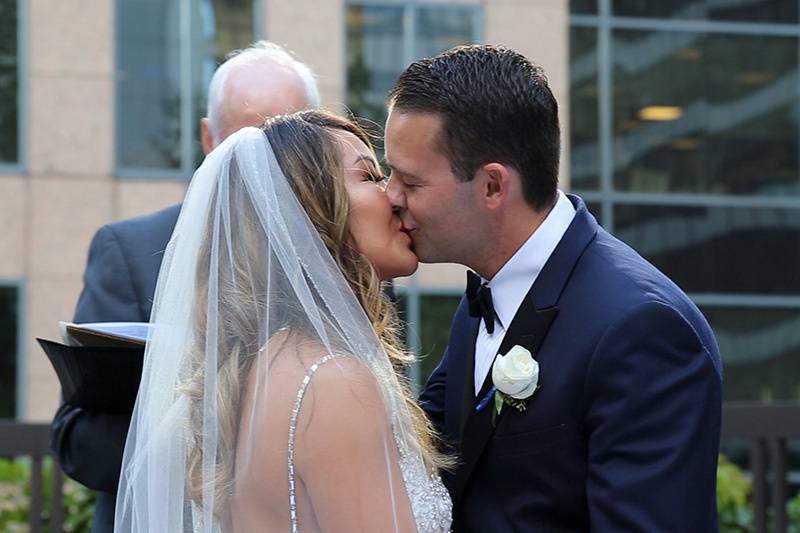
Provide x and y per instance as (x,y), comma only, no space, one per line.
(622,433)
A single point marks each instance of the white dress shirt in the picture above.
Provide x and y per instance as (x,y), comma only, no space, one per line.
(513,281)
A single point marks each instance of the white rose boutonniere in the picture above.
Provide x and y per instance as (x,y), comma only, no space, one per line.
(516,378)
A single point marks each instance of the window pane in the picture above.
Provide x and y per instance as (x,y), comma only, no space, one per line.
(436,314)
(760,350)
(149,98)
(781,11)
(374,58)
(717,249)
(9,79)
(585,145)
(583,7)
(439,29)
(9,324)
(697,113)
(376,51)
(148,85)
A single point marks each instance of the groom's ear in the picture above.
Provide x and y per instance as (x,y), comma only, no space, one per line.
(496,182)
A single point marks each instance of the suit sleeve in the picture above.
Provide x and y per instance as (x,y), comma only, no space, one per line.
(89,445)
(433,396)
(653,407)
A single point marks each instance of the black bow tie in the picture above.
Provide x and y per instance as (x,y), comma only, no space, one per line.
(480,300)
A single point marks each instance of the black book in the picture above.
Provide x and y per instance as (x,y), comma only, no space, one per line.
(100,365)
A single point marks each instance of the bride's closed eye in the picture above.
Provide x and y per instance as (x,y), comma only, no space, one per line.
(379,179)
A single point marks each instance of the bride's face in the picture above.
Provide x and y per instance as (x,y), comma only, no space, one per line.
(377,232)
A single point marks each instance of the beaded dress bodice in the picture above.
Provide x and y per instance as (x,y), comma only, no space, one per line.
(430,501)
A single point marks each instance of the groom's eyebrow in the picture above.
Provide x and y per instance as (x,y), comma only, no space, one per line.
(400,170)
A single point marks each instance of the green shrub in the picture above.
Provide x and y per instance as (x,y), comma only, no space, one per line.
(733,498)
(15,487)
(793,510)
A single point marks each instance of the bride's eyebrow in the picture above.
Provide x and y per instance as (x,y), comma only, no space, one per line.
(365,157)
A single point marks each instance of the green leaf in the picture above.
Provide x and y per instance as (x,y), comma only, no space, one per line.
(498,402)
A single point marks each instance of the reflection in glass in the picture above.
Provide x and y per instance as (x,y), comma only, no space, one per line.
(439,29)
(779,11)
(148,85)
(583,115)
(697,113)
(8,351)
(717,249)
(9,79)
(760,350)
(376,46)
(583,7)
(150,74)
(374,58)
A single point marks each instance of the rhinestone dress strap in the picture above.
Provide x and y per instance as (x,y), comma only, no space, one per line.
(292,433)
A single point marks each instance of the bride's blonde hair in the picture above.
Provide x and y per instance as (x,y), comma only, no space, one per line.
(306,148)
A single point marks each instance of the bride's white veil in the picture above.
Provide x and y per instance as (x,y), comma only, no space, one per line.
(245,266)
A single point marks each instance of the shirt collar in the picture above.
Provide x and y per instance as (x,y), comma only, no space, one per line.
(513,281)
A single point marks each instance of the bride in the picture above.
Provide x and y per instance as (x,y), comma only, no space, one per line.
(273,395)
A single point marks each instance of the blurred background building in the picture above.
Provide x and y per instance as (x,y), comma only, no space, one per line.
(680,122)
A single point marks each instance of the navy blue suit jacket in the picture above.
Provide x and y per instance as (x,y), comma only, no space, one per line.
(119,282)
(623,434)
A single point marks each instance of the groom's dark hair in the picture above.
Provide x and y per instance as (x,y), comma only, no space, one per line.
(495,106)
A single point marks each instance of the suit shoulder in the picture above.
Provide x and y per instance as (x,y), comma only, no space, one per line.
(625,282)
(616,267)
(149,222)
(147,232)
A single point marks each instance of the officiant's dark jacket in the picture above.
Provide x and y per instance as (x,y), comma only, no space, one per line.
(623,433)
(119,282)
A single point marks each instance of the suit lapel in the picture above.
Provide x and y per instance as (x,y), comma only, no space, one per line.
(528,329)
(460,370)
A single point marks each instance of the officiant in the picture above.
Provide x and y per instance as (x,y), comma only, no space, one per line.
(260,81)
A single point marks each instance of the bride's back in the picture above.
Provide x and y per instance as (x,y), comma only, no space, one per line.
(345,460)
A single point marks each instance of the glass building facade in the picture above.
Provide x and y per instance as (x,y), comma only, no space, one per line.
(685,143)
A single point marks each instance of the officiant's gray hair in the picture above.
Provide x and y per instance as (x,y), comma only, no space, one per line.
(256,52)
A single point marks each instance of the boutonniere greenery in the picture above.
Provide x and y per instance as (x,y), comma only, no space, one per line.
(516,378)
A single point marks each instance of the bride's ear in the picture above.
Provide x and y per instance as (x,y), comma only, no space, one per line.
(496,183)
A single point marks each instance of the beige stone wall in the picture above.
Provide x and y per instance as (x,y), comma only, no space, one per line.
(68,190)
(314,30)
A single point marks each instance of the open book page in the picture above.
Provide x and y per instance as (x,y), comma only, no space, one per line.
(111,334)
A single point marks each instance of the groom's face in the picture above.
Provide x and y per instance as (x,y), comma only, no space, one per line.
(437,209)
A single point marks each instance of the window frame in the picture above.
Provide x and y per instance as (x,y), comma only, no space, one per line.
(188,120)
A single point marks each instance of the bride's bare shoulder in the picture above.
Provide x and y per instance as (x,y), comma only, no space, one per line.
(295,352)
